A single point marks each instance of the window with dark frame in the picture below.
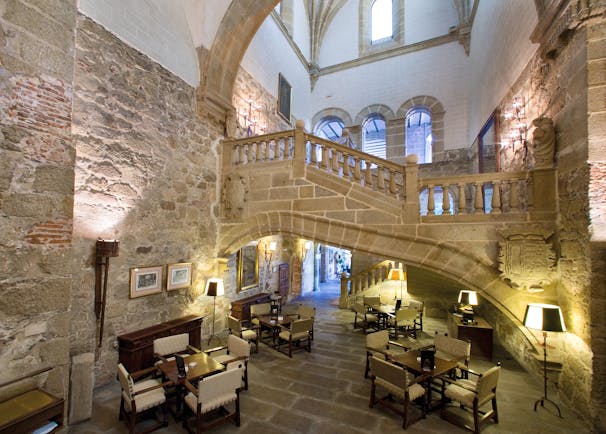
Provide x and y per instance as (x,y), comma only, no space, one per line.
(284,98)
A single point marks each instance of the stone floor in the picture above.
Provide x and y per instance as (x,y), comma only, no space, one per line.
(325,391)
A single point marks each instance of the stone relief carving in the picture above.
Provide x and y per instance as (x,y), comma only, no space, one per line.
(542,145)
(234,197)
(526,259)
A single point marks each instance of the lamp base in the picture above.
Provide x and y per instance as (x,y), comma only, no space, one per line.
(543,400)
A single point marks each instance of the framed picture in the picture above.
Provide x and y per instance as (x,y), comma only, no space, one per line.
(145,281)
(248,268)
(284,97)
(179,276)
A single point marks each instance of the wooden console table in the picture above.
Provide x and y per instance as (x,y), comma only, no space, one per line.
(136,349)
(241,308)
(479,334)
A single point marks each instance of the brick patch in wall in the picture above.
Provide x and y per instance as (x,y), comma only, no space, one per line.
(41,104)
(53,232)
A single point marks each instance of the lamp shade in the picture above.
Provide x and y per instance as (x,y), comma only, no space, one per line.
(108,248)
(545,317)
(273,245)
(396,274)
(214,287)
(468,298)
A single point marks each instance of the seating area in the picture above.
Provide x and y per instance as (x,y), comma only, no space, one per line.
(326,388)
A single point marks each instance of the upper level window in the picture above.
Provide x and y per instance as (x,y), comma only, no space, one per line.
(330,128)
(381,20)
(374,136)
(418,134)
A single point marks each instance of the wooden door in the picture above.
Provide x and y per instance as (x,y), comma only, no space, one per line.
(283,282)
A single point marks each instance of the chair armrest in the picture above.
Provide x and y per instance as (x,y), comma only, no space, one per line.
(397,344)
(193,349)
(190,387)
(428,347)
(471,371)
(160,358)
(157,386)
(235,359)
(458,384)
(214,350)
(144,372)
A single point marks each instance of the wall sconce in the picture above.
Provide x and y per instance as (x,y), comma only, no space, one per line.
(270,250)
(306,247)
(104,250)
(547,318)
(518,129)
(249,117)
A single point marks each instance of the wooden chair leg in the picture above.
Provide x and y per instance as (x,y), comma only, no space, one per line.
(494,409)
(367,369)
(237,408)
(405,413)
(372,394)
(476,417)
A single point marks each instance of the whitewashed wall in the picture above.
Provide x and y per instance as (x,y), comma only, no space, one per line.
(341,39)
(500,49)
(427,19)
(157,28)
(204,18)
(441,72)
(301,28)
(270,54)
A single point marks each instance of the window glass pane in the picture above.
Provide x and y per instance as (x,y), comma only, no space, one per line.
(330,128)
(374,136)
(418,134)
(381,20)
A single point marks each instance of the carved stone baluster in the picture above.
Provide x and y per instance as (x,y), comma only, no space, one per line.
(263,151)
(326,157)
(368,176)
(312,154)
(515,196)
(380,178)
(344,165)
(235,155)
(357,169)
(335,161)
(445,201)
(392,182)
(254,148)
(462,200)
(364,281)
(431,202)
(496,198)
(478,203)
(244,159)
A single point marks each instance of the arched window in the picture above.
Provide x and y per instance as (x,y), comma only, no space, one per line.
(418,134)
(373,140)
(330,127)
(381,20)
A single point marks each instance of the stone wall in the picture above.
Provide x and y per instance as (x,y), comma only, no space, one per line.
(146,171)
(36,190)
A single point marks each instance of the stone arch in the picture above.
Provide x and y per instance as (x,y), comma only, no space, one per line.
(331,111)
(381,109)
(437,111)
(238,26)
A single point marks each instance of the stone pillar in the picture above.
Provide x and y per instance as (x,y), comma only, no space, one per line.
(355,135)
(82,380)
(394,140)
(411,210)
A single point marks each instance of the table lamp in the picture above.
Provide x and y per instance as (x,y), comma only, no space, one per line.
(547,318)
(467,299)
(214,288)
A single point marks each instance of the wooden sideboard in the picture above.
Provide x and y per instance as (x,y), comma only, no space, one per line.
(241,308)
(479,334)
(136,349)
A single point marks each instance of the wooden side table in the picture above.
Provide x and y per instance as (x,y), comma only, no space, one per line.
(479,334)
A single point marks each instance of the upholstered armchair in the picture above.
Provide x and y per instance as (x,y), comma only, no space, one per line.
(257,310)
(398,383)
(248,334)
(215,392)
(379,345)
(472,395)
(234,355)
(299,331)
(364,318)
(306,311)
(419,306)
(141,396)
(403,321)
(449,348)
(166,348)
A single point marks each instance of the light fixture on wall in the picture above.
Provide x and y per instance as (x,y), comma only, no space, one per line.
(104,250)
(214,289)
(547,318)
(306,247)
(518,129)
(249,117)
(399,275)
(270,249)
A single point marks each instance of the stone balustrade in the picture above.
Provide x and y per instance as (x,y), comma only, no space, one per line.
(357,284)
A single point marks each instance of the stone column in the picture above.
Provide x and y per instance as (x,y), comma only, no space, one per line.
(394,140)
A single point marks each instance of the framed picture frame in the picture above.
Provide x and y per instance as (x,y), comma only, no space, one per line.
(178,276)
(284,98)
(248,267)
(145,281)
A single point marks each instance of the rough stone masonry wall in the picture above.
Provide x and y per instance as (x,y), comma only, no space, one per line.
(36,190)
(557,88)
(146,175)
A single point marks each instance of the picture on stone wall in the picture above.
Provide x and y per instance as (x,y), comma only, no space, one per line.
(145,281)
(179,276)
(248,268)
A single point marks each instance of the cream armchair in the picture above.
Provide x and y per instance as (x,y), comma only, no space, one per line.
(448,348)
(399,383)
(403,321)
(234,355)
(248,334)
(364,318)
(138,397)
(379,345)
(166,348)
(299,331)
(472,395)
(215,392)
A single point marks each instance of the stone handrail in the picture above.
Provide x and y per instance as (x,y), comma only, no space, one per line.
(360,282)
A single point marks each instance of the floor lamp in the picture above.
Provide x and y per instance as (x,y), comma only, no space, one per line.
(547,318)
(397,274)
(214,288)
